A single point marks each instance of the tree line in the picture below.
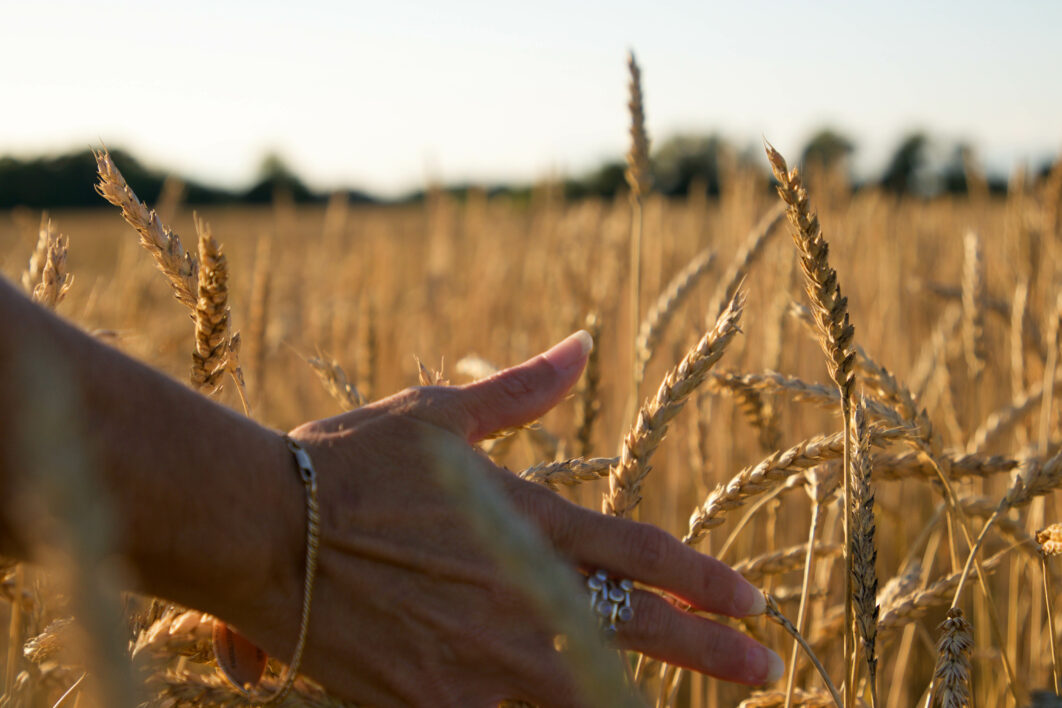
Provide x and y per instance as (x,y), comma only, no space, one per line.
(919,166)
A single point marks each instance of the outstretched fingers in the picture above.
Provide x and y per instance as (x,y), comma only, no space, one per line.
(640,552)
(665,632)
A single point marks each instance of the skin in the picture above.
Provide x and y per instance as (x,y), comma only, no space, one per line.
(407,609)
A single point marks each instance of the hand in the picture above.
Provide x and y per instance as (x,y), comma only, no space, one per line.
(408,610)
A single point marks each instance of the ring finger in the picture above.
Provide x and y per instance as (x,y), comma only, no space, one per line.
(662,630)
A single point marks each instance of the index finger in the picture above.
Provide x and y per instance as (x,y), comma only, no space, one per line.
(644,553)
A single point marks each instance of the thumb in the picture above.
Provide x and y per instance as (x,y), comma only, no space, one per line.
(523,393)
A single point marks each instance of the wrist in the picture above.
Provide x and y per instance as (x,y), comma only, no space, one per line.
(238,552)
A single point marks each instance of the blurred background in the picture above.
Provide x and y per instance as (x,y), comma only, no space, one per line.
(382,99)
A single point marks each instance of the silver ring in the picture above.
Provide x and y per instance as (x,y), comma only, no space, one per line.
(610,600)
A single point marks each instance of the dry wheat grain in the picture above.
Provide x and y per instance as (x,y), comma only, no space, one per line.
(952,673)
(179,267)
(625,478)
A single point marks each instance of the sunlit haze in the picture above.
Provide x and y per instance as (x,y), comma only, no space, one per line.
(386,95)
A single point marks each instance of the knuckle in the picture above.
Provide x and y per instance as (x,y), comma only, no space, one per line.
(649,548)
(515,383)
(652,619)
(723,651)
(548,511)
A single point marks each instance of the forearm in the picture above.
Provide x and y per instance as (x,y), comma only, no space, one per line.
(203,497)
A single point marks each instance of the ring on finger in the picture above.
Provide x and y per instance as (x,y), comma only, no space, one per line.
(610,600)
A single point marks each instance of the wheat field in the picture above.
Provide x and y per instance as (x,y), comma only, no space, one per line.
(954,306)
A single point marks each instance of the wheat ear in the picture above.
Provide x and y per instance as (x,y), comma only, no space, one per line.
(664,307)
(864,551)
(50,643)
(177,632)
(335,381)
(638,181)
(625,478)
(185,689)
(32,275)
(1050,542)
(569,472)
(783,560)
(211,314)
(908,608)
(179,267)
(1039,478)
(589,406)
(770,472)
(973,307)
(55,279)
(830,308)
(1002,420)
(751,249)
(952,674)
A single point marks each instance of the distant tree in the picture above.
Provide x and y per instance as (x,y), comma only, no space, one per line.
(605,181)
(953,173)
(826,148)
(685,159)
(274,176)
(908,160)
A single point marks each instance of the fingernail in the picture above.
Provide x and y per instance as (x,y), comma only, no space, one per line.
(750,597)
(775,665)
(570,352)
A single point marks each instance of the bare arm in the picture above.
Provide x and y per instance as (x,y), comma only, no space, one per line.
(408,609)
(197,488)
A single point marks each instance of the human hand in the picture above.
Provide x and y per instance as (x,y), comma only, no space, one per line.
(409,610)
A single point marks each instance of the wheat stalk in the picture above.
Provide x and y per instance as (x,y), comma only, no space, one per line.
(31,277)
(335,381)
(638,182)
(625,478)
(210,355)
(915,605)
(973,310)
(751,249)
(665,306)
(589,391)
(368,351)
(813,698)
(1002,420)
(1050,541)
(569,472)
(258,313)
(775,615)
(50,643)
(772,382)
(751,401)
(864,552)
(637,173)
(46,277)
(185,689)
(177,632)
(782,561)
(179,267)
(768,474)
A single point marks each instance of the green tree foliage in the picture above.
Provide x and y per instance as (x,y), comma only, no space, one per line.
(826,148)
(275,177)
(685,159)
(908,160)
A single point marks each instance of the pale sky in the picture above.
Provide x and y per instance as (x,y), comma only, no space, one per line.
(383,95)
